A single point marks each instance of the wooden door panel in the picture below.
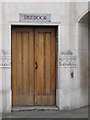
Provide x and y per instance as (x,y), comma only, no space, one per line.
(25,68)
(47,64)
(32,86)
(31,63)
(40,60)
(45,74)
(45,100)
(13,65)
(22,66)
(19,64)
(53,63)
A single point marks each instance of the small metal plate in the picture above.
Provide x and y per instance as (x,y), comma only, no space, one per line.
(27,17)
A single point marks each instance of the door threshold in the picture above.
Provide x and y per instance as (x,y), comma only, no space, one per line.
(17,109)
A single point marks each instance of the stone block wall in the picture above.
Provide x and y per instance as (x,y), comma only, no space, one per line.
(71,92)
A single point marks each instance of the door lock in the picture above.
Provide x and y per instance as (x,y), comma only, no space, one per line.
(36,65)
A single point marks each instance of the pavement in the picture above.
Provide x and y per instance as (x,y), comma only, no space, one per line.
(54,113)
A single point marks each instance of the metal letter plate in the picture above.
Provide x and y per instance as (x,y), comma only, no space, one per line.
(26,17)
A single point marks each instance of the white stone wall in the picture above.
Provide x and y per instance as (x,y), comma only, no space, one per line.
(89,66)
(0,57)
(83,65)
(83,55)
(68,89)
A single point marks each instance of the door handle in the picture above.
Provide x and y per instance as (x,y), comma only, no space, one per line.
(36,65)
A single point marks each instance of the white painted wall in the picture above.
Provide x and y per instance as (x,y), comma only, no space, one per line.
(69,89)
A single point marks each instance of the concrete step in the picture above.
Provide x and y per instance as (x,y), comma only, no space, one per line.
(16,109)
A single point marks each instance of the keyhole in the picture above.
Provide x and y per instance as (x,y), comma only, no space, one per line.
(72,74)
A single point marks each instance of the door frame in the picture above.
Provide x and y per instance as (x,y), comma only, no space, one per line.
(57,68)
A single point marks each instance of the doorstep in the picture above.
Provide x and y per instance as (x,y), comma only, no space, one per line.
(16,109)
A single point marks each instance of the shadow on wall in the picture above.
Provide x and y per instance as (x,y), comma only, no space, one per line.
(89,53)
(84,50)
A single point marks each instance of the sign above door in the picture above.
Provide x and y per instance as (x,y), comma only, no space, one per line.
(27,17)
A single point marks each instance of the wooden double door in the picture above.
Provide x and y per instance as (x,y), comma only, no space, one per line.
(33,66)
